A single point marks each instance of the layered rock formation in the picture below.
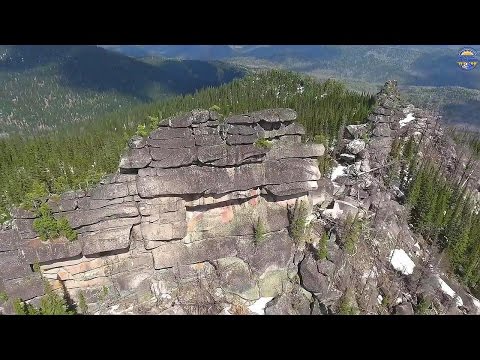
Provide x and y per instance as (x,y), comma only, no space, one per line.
(174,229)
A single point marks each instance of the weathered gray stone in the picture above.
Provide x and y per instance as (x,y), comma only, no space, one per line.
(242,129)
(200,116)
(357,131)
(165,133)
(25,288)
(62,205)
(209,140)
(174,143)
(382,130)
(87,203)
(274,253)
(284,151)
(109,191)
(161,205)
(135,159)
(292,188)
(175,253)
(274,115)
(38,251)
(292,303)
(107,240)
(110,224)
(163,232)
(241,139)
(272,283)
(78,218)
(168,158)
(290,171)
(325,267)
(240,119)
(382,111)
(312,280)
(355,146)
(25,228)
(9,240)
(240,154)
(179,121)
(136,142)
(12,266)
(197,180)
(323,195)
(235,278)
(404,309)
(19,213)
(347,158)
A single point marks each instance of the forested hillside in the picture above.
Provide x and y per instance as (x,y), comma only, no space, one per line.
(42,87)
(79,155)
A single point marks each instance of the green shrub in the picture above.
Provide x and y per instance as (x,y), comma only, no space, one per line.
(353,230)
(82,304)
(264,143)
(36,196)
(3,297)
(322,251)
(298,221)
(50,304)
(346,307)
(259,231)
(214,108)
(47,227)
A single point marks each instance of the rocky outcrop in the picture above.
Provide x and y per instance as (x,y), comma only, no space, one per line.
(174,228)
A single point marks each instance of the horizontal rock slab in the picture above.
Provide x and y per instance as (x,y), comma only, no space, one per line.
(274,115)
(110,224)
(9,240)
(240,119)
(135,159)
(206,140)
(165,133)
(62,205)
(38,251)
(168,158)
(19,213)
(25,228)
(87,203)
(25,288)
(219,198)
(198,179)
(12,266)
(107,240)
(241,139)
(323,196)
(175,143)
(292,150)
(163,232)
(292,188)
(177,253)
(159,205)
(291,170)
(136,142)
(78,218)
(243,129)
(109,191)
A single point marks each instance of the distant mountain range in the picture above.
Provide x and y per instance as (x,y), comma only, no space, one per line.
(44,86)
(428,74)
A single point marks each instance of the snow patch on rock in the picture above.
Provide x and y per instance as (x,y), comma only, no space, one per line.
(407,119)
(401,261)
(258,307)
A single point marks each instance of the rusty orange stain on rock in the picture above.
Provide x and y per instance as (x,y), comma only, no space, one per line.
(227,214)
(192,223)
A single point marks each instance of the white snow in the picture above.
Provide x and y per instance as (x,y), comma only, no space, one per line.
(258,307)
(379,299)
(300,89)
(449,291)
(398,301)
(401,261)
(338,171)
(405,121)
